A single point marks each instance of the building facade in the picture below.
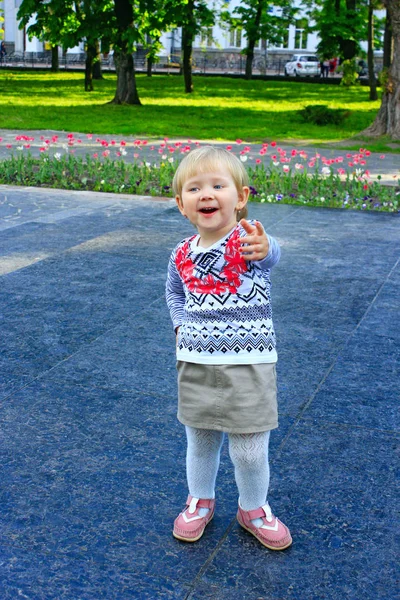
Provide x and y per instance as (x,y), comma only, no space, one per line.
(218,43)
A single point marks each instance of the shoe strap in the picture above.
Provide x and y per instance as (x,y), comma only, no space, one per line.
(262,512)
(200,502)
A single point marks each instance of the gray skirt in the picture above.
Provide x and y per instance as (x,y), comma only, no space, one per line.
(230,398)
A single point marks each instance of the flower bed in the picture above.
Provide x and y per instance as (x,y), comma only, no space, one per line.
(146,168)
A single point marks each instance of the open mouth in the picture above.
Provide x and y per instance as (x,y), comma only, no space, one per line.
(208,210)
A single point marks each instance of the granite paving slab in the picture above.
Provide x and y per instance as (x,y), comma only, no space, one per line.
(92,456)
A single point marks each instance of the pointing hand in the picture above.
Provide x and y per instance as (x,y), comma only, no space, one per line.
(255,244)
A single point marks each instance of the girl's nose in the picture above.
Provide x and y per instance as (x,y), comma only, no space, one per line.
(207,192)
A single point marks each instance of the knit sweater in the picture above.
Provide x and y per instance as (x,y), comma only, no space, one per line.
(221,303)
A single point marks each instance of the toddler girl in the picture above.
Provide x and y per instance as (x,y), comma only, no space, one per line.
(218,294)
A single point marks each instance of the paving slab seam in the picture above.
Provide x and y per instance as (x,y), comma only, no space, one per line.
(64,360)
(209,560)
(307,404)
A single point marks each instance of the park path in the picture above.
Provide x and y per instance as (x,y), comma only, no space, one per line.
(92,456)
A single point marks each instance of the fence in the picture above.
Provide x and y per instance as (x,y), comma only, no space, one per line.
(202,63)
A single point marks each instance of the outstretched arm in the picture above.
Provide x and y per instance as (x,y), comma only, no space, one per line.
(258,246)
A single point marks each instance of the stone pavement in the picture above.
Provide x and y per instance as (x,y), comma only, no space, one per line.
(92,457)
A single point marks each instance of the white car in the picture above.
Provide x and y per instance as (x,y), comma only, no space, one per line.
(303,65)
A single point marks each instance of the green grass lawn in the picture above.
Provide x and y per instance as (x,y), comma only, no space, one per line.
(220,108)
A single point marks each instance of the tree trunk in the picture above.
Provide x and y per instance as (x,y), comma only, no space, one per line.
(90,55)
(150,62)
(249,59)
(54,59)
(373,94)
(253,37)
(97,74)
(387,43)
(387,121)
(349,46)
(187,48)
(126,92)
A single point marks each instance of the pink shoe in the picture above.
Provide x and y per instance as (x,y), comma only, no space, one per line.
(189,526)
(272,533)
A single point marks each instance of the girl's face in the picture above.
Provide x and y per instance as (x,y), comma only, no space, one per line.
(210,201)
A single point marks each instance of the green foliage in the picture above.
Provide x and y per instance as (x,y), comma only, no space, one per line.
(320,114)
(341,26)
(350,75)
(261,19)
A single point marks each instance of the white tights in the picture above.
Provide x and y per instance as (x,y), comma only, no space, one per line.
(249,455)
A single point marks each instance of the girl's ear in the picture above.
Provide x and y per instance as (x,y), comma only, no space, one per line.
(179,202)
(243,197)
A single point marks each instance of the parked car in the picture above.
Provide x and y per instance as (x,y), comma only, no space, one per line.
(303,65)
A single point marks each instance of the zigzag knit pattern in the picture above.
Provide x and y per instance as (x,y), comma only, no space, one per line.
(221,303)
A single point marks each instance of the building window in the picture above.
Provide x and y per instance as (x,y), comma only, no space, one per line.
(206,37)
(301,35)
(235,38)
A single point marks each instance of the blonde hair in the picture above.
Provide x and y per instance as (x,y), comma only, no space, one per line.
(209,159)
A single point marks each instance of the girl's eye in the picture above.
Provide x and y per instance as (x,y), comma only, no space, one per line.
(218,186)
(193,189)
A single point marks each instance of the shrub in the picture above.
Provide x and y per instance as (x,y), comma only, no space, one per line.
(320,114)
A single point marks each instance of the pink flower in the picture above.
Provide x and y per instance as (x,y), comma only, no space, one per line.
(351,164)
(89,136)
(122,143)
(229,148)
(382,156)
(238,141)
(151,147)
(119,154)
(247,148)
(294,152)
(27,146)
(42,149)
(273,144)
(104,143)
(258,161)
(367,153)
(70,136)
(365,186)
(113,142)
(341,171)
(265,144)
(54,139)
(41,137)
(105,153)
(136,156)
(274,156)
(286,168)
(9,146)
(262,151)
(95,155)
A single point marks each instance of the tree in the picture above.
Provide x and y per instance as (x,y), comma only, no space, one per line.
(194,15)
(67,23)
(373,94)
(387,121)
(341,26)
(260,19)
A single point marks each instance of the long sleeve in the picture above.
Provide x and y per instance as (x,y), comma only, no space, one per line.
(273,256)
(174,293)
